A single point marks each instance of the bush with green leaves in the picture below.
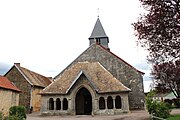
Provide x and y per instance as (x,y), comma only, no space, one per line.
(17,112)
(176,102)
(157,108)
(169,101)
(1,115)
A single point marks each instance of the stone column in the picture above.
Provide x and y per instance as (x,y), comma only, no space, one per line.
(114,102)
(47,106)
(61,104)
(122,103)
(105,103)
(54,104)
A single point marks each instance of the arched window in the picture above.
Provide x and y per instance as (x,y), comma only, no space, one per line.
(51,104)
(110,102)
(65,104)
(118,103)
(101,103)
(58,104)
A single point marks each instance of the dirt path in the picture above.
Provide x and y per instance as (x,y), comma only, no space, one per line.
(134,115)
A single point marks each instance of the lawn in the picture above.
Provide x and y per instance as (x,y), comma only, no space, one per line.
(174,117)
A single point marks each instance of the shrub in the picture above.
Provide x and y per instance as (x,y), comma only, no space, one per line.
(14,117)
(169,101)
(1,115)
(156,108)
(176,102)
(17,111)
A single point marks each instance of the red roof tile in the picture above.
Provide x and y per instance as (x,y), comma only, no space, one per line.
(5,83)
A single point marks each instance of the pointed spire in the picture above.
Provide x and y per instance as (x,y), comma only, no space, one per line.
(98,35)
(98,30)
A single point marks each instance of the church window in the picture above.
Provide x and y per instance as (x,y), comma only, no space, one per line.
(101,103)
(51,104)
(65,104)
(110,102)
(58,104)
(118,103)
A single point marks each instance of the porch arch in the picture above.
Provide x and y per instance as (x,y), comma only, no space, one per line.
(83,102)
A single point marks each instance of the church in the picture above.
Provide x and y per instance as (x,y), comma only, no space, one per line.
(97,82)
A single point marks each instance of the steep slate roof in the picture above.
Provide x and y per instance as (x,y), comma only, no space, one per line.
(96,74)
(98,30)
(33,78)
(6,84)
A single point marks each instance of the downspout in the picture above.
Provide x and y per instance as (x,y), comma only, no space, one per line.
(31,94)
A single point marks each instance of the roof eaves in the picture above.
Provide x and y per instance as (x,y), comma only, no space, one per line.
(16,90)
(114,91)
(23,74)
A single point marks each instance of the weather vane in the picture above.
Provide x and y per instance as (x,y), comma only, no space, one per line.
(98,12)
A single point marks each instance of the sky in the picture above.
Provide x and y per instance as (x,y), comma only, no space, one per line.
(47,35)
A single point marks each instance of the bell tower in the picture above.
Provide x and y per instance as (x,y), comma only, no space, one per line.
(98,35)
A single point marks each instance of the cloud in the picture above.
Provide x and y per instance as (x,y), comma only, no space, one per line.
(147,86)
(143,65)
(4,67)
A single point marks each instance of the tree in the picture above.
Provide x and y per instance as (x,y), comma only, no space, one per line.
(159,30)
(167,77)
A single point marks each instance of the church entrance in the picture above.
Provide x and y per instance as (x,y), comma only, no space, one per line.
(83,102)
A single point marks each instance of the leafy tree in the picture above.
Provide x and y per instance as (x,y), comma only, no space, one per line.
(159,30)
(167,77)
(157,108)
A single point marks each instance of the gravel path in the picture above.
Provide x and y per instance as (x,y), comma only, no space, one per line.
(134,115)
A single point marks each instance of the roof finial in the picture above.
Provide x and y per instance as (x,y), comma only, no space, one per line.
(98,12)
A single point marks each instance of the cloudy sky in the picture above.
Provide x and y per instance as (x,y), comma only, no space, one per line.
(47,35)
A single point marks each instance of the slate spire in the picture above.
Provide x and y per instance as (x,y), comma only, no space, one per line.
(98,35)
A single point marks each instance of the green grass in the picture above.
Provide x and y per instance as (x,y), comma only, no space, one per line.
(174,117)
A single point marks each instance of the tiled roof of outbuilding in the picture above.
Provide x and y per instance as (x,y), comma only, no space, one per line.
(33,78)
(5,83)
(102,80)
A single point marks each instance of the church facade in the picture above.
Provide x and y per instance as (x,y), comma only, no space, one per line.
(97,82)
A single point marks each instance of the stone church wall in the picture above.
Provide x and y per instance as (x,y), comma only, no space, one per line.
(130,77)
(71,96)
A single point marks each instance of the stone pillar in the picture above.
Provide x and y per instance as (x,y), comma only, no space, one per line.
(105,103)
(62,104)
(96,104)
(47,104)
(55,104)
(114,107)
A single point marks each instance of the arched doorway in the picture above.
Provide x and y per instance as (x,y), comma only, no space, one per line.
(83,102)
